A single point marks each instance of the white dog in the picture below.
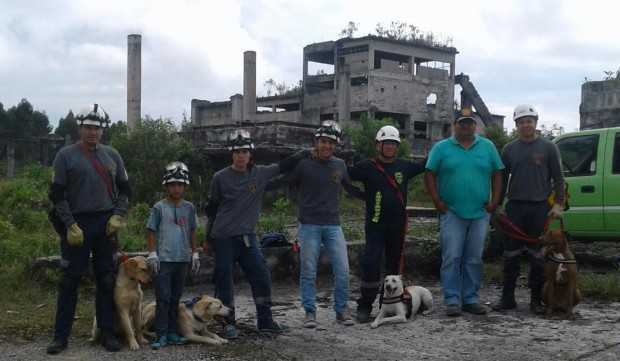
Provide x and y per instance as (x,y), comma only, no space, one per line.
(400,303)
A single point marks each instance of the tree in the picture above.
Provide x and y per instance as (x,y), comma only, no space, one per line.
(281,88)
(499,136)
(400,30)
(23,121)
(363,138)
(146,151)
(68,126)
(349,30)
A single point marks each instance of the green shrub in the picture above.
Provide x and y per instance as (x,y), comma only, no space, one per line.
(276,219)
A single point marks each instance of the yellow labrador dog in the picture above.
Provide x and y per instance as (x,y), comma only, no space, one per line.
(400,303)
(132,273)
(193,320)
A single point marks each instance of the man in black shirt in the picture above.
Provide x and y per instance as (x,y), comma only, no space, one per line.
(385,182)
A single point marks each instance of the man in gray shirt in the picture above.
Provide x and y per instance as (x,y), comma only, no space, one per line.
(90,192)
(532,173)
(320,181)
(235,202)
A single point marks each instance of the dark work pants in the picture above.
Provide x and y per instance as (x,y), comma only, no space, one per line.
(529,217)
(74,264)
(378,242)
(250,258)
(168,291)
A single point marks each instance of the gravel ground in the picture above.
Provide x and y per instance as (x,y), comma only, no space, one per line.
(515,335)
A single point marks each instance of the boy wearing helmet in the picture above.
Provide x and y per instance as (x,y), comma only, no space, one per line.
(172,246)
(533,172)
(235,201)
(320,180)
(90,193)
(385,180)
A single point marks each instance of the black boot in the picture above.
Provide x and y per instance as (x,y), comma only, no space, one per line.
(56,346)
(363,314)
(511,273)
(110,342)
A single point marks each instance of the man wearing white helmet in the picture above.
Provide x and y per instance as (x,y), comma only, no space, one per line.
(386,179)
(235,201)
(320,180)
(90,192)
(533,172)
(464,179)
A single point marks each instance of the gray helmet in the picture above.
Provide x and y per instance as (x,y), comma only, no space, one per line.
(176,172)
(329,129)
(93,115)
(240,139)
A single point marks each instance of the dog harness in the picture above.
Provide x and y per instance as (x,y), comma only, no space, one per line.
(190,304)
(561,260)
(404,297)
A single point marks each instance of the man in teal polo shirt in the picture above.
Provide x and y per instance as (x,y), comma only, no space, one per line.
(460,173)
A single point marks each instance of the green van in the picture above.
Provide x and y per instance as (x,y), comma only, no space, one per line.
(591,167)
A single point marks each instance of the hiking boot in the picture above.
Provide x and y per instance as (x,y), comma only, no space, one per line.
(162,341)
(56,346)
(363,315)
(453,310)
(503,305)
(272,327)
(475,308)
(174,339)
(344,318)
(231,332)
(310,320)
(110,342)
(537,308)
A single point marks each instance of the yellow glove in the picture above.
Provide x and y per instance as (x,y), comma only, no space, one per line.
(75,236)
(115,223)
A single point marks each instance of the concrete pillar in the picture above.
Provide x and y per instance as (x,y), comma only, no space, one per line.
(134,80)
(344,94)
(249,85)
(10,159)
(237,107)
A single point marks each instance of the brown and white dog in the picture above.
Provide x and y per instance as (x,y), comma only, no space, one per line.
(399,302)
(560,292)
(132,273)
(193,320)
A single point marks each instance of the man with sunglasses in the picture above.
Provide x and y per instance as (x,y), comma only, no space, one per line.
(464,179)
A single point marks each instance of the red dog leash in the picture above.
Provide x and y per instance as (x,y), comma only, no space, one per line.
(513,231)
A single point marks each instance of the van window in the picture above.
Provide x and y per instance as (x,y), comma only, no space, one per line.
(616,166)
(579,155)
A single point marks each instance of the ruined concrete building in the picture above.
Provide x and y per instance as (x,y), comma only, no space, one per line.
(600,104)
(410,82)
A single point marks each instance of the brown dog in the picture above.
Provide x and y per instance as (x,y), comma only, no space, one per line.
(128,301)
(193,319)
(560,292)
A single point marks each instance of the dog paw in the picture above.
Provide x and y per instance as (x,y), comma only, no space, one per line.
(133,345)
(143,341)
(374,325)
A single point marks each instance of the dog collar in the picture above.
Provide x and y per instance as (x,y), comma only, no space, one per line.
(555,259)
(403,297)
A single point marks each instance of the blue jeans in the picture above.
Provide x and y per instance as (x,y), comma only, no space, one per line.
(311,237)
(462,243)
(230,250)
(168,291)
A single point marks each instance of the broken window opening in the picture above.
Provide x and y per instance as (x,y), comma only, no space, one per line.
(356,116)
(316,87)
(392,62)
(264,109)
(401,119)
(289,107)
(320,68)
(431,99)
(420,130)
(327,116)
(432,69)
(359,81)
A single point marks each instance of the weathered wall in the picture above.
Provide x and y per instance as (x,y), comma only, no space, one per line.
(600,104)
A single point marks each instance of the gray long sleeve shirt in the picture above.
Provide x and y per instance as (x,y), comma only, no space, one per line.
(239,196)
(85,190)
(320,185)
(534,170)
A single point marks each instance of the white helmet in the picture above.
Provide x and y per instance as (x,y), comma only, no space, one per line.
(176,172)
(93,115)
(524,110)
(388,132)
(240,139)
(329,129)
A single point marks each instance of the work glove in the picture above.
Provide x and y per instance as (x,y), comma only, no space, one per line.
(195,263)
(153,261)
(557,211)
(115,223)
(75,236)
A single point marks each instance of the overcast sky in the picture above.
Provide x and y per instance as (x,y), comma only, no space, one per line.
(62,55)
